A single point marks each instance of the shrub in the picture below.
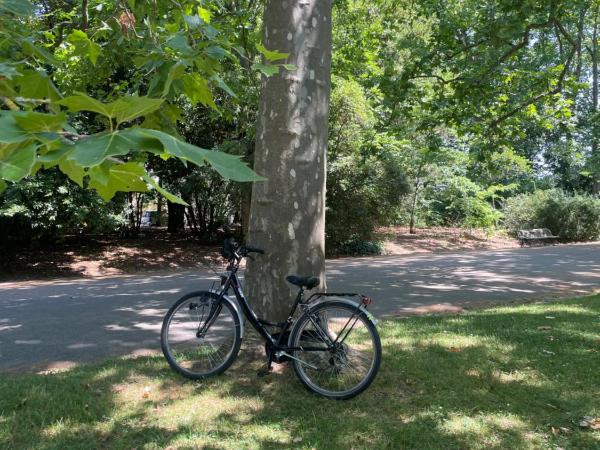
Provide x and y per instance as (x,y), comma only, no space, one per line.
(358,248)
(572,217)
(47,206)
(458,202)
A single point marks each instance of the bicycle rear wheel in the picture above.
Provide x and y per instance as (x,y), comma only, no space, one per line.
(201,335)
(340,349)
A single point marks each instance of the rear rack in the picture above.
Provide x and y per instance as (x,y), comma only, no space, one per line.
(335,294)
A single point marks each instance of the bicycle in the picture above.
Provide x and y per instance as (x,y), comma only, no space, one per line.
(334,345)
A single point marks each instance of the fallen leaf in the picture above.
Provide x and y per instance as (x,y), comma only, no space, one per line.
(146,393)
(454,350)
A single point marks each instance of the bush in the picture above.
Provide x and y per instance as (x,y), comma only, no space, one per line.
(47,206)
(358,248)
(458,202)
(572,217)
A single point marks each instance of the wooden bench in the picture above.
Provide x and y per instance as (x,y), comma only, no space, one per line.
(535,235)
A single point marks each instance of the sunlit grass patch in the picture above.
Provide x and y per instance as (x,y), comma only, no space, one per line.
(508,377)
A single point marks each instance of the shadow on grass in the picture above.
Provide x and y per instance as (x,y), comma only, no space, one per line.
(516,377)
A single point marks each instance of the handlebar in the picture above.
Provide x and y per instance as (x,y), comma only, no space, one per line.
(232,250)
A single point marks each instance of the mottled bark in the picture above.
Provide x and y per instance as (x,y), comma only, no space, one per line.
(288,210)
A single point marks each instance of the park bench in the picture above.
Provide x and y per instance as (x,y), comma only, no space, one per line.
(535,235)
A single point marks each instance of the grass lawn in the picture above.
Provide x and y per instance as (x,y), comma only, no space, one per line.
(508,377)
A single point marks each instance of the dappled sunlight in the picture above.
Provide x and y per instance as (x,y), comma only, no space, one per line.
(475,380)
(486,429)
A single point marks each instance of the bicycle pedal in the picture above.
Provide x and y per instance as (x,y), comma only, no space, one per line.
(264,371)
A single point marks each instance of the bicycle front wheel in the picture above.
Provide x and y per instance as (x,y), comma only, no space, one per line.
(338,349)
(201,335)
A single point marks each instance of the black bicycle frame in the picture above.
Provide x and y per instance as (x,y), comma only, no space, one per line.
(233,282)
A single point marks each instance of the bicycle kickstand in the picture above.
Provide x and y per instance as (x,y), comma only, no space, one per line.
(268,368)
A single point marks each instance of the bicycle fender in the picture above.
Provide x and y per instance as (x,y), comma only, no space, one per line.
(349,302)
(236,308)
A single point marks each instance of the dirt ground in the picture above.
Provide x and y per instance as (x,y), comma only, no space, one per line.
(398,240)
(156,250)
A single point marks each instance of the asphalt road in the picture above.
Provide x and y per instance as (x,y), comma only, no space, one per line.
(56,323)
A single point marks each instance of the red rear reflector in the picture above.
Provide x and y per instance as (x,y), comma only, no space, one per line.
(366,301)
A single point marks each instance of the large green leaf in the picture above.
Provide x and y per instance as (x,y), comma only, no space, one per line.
(94,149)
(16,7)
(108,179)
(129,108)
(229,166)
(123,109)
(10,132)
(84,46)
(175,72)
(16,161)
(73,170)
(37,85)
(40,122)
(82,102)
(197,90)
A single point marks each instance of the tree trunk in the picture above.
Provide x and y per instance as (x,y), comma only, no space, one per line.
(287,216)
(594,54)
(175,222)
(159,210)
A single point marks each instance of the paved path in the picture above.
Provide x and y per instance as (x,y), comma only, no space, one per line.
(48,324)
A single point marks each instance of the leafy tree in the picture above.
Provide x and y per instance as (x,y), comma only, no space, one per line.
(138,59)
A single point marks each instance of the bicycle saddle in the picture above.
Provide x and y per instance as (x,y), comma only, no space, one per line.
(307,282)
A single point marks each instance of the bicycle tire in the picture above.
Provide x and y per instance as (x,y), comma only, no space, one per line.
(327,360)
(227,322)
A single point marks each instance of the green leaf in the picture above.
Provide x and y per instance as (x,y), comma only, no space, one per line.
(223,85)
(197,90)
(39,122)
(84,46)
(123,109)
(93,150)
(129,108)
(16,161)
(10,132)
(269,54)
(2,186)
(83,102)
(16,7)
(204,14)
(290,67)
(175,72)
(37,85)
(128,177)
(38,52)
(266,70)
(179,43)
(74,171)
(172,198)
(229,166)
(107,179)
